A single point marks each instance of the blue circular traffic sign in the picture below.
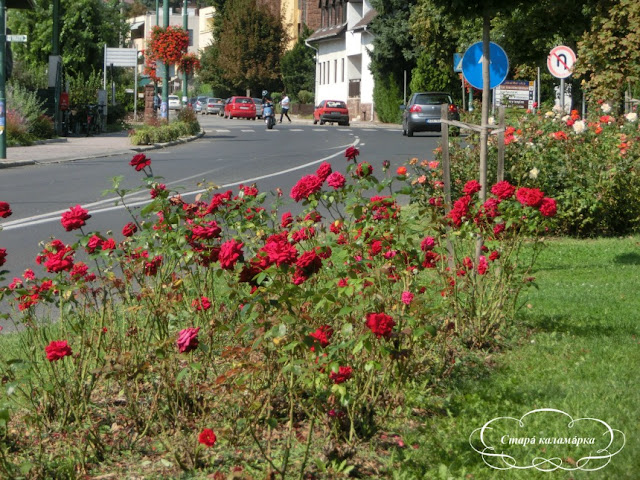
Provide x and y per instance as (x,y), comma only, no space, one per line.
(472,65)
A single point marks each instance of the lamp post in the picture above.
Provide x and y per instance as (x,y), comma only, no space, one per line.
(185,26)
(164,108)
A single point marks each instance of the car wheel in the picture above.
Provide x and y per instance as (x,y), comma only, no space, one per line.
(230,117)
(409,131)
(321,122)
(404,130)
(315,122)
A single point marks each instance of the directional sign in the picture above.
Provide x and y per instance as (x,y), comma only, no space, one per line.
(16,38)
(560,61)
(457,62)
(473,60)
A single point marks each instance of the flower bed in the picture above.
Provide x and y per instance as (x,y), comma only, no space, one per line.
(235,326)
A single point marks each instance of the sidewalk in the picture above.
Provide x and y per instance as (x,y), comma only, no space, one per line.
(67,149)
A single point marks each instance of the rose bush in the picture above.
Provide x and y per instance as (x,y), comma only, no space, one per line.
(276,328)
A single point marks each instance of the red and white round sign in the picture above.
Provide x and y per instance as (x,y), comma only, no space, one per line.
(560,61)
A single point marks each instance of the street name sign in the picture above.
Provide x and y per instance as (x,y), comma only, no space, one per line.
(560,61)
(16,38)
(472,65)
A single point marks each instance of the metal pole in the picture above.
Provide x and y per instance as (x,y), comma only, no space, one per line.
(3,71)
(164,107)
(464,106)
(404,94)
(157,12)
(55,50)
(185,26)
(470,98)
(539,106)
(562,94)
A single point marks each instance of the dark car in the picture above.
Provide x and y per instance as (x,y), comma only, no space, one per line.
(331,111)
(422,113)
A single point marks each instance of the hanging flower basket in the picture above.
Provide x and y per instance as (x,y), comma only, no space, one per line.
(189,63)
(168,44)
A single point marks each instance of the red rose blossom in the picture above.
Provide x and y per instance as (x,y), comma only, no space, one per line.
(336,180)
(322,335)
(3,256)
(307,185)
(342,375)
(351,153)
(531,197)
(548,207)
(323,171)
(286,220)
(74,218)
(140,161)
(5,210)
(129,229)
(188,339)
(230,254)
(57,349)
(201,304)
(207,437)
(380,324)
(364,169)
(503,190)
(471,187)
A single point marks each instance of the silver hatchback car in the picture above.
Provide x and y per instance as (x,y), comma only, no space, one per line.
(422,113)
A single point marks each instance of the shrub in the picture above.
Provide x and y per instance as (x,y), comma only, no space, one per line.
(16,130)
(42,127)
(387,97)
(161,132)
(305,97)
(25,102)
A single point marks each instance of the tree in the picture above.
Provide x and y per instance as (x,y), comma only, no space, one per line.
(608,56)
(85,27)
(250,46)
(299,66)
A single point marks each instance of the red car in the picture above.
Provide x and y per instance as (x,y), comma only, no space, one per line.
(331,111)
(241,107)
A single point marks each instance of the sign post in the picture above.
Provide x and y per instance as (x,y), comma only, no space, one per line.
(560,63)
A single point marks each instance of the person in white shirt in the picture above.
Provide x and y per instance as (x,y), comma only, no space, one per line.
(284,104)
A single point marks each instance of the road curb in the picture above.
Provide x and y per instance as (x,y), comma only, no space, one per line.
(21,163)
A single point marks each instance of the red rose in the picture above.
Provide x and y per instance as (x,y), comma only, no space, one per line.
(230,253)
(531,197)
(286,220)
(5,210)
(94,242)
(336,180)
(380,324)
(129,229)
(322,335)
(307,185)
(483,266)
(471,187)
(188,339)
(364,169)
(503,190)
(279,250)
(342,375)
(206,231)
(401,171)
(351,153)
(427,244)
(201,304)
(494,256)
(207,437)
(140,161)
(151,267)
(548,207)
(74,218)
(324,170)
(309,263)
(109,244)
(3,256)
(57,350)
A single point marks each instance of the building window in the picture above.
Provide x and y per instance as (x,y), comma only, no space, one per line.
(335,71)
(320,73)
(327,72)
(342,70)
(323,13)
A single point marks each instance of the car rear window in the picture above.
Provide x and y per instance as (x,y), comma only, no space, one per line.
(244,100)
(214,100)
(432,99)
(332,104)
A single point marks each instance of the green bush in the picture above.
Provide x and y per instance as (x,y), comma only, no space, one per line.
(305,97)
(388,98)
(17,133)
(25,102)
(161,132)
(42,127)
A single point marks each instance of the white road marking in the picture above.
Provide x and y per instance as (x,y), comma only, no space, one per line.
(319,129)
(247,130)
(369,129)
(297,130)
(135,199)
(343,129)
(222,130)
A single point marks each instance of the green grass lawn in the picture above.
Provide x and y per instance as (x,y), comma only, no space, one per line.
(577,351)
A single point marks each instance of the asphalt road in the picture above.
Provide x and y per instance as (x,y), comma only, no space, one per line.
(231,153)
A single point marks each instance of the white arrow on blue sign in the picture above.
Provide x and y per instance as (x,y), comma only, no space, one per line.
(473,60)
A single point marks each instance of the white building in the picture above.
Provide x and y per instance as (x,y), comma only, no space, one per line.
(342,45)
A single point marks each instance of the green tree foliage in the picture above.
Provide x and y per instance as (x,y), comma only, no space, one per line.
(250,46)
(85,27)
(387,96)
(608,56)
(299,66)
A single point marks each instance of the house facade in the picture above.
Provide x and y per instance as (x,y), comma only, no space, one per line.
(342,45)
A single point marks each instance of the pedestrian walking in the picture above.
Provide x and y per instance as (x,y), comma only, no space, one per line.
(284,104)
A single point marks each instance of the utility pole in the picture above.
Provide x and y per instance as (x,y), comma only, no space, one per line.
(185,26)
(3,72)
(164,107)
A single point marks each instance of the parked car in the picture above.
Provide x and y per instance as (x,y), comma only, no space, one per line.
(201,103)
(241,107)
(174,102)
(191,103)
(214,105)
(223,112)
(422,113)
(258,102)
(331,111)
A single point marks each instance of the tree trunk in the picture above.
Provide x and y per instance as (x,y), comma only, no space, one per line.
(486,100)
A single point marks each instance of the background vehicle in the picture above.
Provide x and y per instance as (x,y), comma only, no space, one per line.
(241,107)
(174,102)
(269,113)
(422,112)
(258,102)
(213,106)
(331,111)
(201,102)
(191,103)
(223,112)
